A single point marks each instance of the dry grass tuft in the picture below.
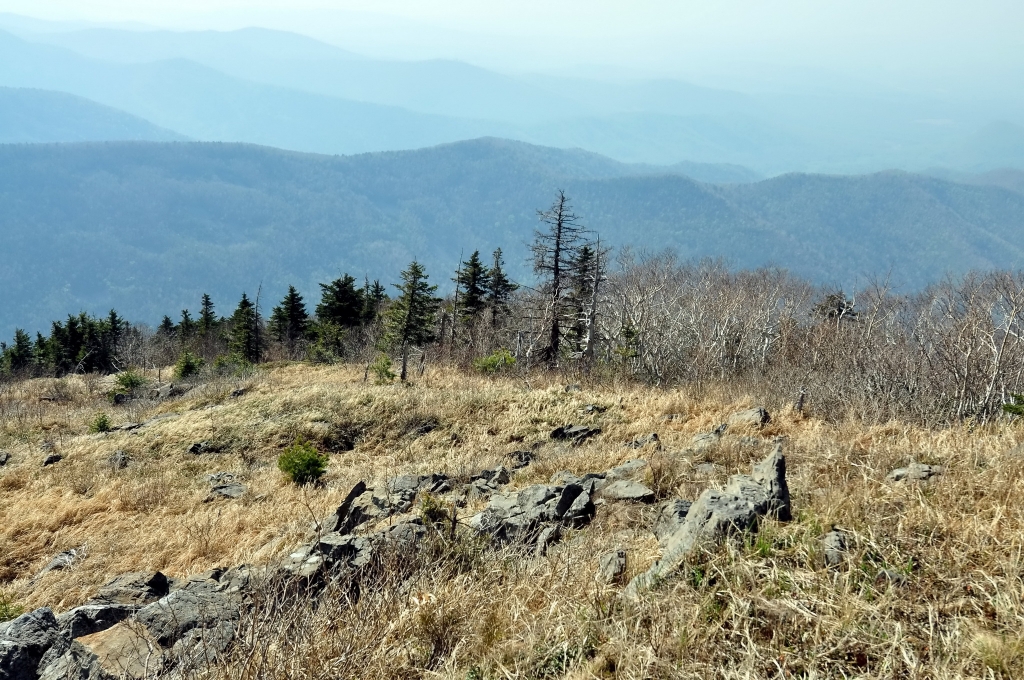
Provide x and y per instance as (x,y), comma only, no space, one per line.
(760,607)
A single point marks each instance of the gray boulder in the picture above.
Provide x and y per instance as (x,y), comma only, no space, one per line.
(52,458)
(751,417)
(611,567)
(346,551)
(670,518)
(627,490)
(716,514)
(915,472)
(575,434)
(4,458)
(342,520)
(834,544)
(63,560)
(92,618)
(705,441)
(137,588)
(24,641)
(198,605)
(231,490)
(628,470)
(520,459)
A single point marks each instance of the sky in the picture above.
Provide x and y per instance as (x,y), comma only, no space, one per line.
(898,43)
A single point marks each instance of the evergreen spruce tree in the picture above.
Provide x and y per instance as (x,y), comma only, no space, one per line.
(374,297)
(499,288)
(410,320)
(19,356)
(244,340)
(187,326)
(340,303)
(207,318)
(166,327)
(289,321)
(581,289)
(473,280)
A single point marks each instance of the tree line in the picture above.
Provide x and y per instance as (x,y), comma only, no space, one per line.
(952,352)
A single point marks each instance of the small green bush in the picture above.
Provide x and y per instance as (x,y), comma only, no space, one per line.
(8,609)
(101,423)
(131,380)
(501,360)
(188,365)
(381,369)
(1016,408)
(302,462)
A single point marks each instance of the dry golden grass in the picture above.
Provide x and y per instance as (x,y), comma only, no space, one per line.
(762,607)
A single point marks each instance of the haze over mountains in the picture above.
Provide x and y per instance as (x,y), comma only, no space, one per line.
(150,227)
(290,91)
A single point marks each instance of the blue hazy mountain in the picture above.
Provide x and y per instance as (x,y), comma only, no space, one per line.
(32,116)
(148,227)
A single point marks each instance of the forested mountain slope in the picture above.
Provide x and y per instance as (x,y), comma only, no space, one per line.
(147,228)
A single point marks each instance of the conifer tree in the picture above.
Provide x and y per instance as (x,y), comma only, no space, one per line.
(207,318)
(340,303)
(18,356)
(244,340)
(473,280)
(410,319)
(187,326)
(289,321)
(499,288)
(374,297)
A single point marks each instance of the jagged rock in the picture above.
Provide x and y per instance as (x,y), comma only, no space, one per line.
(232,490)
(123,651)
(581,511)
(162,391)
(612,566)
(405,534)
(4,458)
(717,514)
(576,434)
(92,618)
(641,442)
(220,478)
(593,408)
(627,490)
(198,605)
(520,459)
(629,469)
(563,477)
(138,588)
(756,417)
(24,641)
(494,477)
(915,472)
(670,518)
(548,537)
(52,458)
(306,564)
(128,427)
(342,521)
(235,394)
(118,460)
(834,543)
(200,447)
(63,560)
(349,551)
(705,441)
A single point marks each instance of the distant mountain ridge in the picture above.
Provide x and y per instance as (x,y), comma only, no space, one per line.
(147,228)
(39,116)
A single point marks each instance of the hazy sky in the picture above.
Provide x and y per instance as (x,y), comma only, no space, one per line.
(925,43)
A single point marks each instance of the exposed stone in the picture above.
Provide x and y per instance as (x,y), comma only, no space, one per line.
(705,441)
(548,537)
(563,477)
(751,417)
(63,560)
(346,550)
(342,520)
(232,490)
(200,604)
(118,460)
(575,434)
(123,651)
(52,458)
(92,618)
(717,514)
(670,518)
(4,458)
(705,468)
(915,472)
(24,641)
(128,427)
(200,448)
(138,588)
(593,408)
(235,394)
(161,391)
(629,469)
(612,566)
(834,543)
(627,490)
(520,459)
(641,442)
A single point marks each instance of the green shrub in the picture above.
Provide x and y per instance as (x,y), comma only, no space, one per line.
(8,609)
(131,380)
(302,462)
(1017,407)
(501,360)
(101,423)
(188,365)
(381,369)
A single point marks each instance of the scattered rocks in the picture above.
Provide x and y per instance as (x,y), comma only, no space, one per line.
(755,417)
(4,458)
(717,514)
(593,408)
(230,490)
(235,394)
(612,566)
(627,490)
(519,459)
(706,440)
(52,458)
(24,641)
(575,434)
(136,588)
(199,448)
(128,427)
(915,472)
(162,391)
(342,521)
(834,544)
(118,460)
(627,470)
